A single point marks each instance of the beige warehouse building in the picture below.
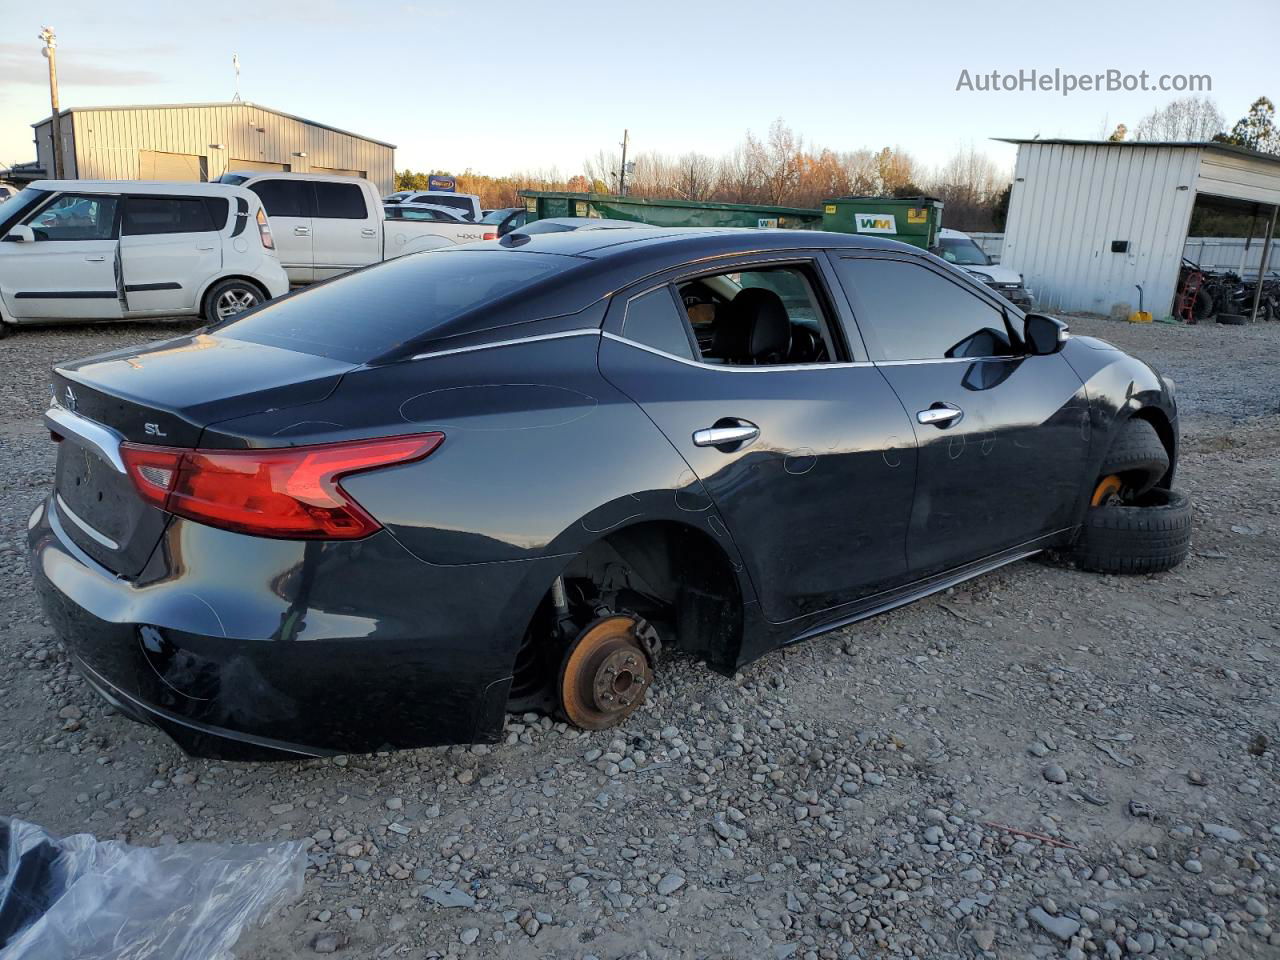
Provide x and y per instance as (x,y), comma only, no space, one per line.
(202,141)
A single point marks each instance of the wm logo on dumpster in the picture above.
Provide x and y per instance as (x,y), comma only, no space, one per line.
(875,223)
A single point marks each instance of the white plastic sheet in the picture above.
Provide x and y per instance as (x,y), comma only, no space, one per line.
(78,898)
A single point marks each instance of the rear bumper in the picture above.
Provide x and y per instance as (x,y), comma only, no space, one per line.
(243,648)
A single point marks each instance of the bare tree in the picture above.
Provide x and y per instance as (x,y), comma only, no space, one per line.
(1187,119)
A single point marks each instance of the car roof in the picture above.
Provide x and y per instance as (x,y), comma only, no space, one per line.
(163,187)
(692,241)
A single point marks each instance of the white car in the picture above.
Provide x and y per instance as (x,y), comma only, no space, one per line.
(327,224)
(961,249)
(467,204)
(123,250)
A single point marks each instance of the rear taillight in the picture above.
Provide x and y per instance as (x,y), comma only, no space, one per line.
(286,492)
(264,230)
(491,236)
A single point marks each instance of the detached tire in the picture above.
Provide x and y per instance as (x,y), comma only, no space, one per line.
(1137,456)
(1232,319)
(1149,536)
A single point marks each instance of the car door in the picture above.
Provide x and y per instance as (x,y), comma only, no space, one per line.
(70,269)
(346,235)
(1003,436)
(289,205)
(809,459)
(169,248)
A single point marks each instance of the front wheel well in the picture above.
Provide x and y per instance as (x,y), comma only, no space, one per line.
(674,576)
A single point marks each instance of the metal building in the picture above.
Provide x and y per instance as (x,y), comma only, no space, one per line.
(202,141)
(1091,220)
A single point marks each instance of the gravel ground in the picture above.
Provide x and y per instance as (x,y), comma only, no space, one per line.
(1040,763)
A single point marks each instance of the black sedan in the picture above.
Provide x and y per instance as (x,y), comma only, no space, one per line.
(384,511)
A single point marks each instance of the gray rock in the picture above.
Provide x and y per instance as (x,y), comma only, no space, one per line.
(1228,834)
(469,935)
(1053,773)
(448,895)
(670,884)
(1256,907)
(328,941)
(1064,928)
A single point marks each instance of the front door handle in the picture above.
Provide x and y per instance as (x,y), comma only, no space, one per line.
(204,249)
(94,259)
(940,415)
(743,432)
(302,231)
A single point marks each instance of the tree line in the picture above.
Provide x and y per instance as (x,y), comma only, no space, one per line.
(778,168)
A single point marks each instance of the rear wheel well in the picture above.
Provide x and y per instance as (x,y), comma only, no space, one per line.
(674,576)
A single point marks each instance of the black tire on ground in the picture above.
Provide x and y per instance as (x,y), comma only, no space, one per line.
(1148,536)
(239,291)
(4,329)
(1137,456)
(1233,319)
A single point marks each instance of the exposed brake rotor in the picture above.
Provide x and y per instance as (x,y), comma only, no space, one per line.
(606,672)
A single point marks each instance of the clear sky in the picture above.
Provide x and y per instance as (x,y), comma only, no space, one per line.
(499,86)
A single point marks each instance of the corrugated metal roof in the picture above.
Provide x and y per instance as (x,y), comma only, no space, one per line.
(1186,144)
(225,103)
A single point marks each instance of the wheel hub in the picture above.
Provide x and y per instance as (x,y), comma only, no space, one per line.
(606,674)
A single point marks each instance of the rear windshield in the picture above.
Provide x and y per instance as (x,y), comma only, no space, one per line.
(366,314)
(456,203)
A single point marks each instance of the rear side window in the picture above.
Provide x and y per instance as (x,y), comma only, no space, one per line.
(340,201)
(284,198)
(454,203)
(914,313)
(654,320)
(366,314)
(152,215)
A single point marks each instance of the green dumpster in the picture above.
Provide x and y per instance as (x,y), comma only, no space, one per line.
(913,220)
(542,204)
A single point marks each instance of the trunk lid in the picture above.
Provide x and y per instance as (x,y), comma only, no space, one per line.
(162,394)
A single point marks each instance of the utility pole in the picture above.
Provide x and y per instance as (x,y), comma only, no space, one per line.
(51,54)
(622,172)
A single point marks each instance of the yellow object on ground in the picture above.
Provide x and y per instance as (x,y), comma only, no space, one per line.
(1140,316)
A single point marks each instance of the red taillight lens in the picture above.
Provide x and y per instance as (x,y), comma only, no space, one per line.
(288,492)
(264,230)
(491,236)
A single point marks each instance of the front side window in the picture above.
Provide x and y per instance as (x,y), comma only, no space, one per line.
(654,320)
(152,215)
(284,198)
(340,201)
(76,217)
(763,316)
(914,313)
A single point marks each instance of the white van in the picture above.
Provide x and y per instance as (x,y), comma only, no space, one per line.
(122,250)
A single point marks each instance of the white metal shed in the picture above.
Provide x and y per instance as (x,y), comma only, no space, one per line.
(1090,220)
(202,141)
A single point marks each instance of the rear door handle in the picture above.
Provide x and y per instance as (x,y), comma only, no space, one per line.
(94,259)
(302,231)
(368,232)
(742,433)
(204,248)
(940,415)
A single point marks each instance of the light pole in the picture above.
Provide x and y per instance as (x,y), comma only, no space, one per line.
(50,52)
(622,173)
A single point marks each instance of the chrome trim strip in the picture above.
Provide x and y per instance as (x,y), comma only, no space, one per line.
(591,332)
(83,524)
(103,439)
(730,368)
(908,363)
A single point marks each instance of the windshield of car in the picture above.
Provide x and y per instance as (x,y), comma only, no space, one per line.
(545,226)
(11,210)
(963,251)
(233,178)
(366,314)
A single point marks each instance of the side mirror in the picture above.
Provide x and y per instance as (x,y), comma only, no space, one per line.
(21,234)
(1044,334)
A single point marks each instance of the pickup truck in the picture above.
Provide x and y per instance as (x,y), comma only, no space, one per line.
(325,225)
